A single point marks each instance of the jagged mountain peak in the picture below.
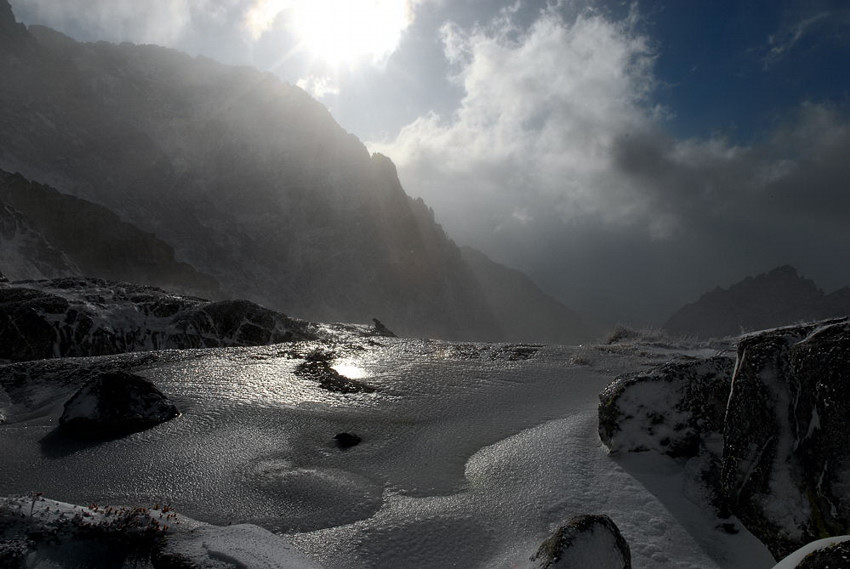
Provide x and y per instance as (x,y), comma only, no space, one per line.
(778,297)
(11,32)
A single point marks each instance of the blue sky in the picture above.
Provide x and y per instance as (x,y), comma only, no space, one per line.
(628,156)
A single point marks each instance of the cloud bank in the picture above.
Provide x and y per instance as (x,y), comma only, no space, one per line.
(557,162)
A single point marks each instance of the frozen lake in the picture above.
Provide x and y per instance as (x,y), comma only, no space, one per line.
(471,454)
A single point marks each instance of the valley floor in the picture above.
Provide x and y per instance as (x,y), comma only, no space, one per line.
(471,454)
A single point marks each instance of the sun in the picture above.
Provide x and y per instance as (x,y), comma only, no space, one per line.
(338,32)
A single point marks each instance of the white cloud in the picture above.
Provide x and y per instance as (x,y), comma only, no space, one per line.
(541,111)
(319,86)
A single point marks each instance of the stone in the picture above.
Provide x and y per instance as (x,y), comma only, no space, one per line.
(114,404)
(585,542)
(347,440)
(675,409)
(786,457)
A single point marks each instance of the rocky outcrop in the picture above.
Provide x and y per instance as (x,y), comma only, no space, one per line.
(33,527)
(776,298)
(91,317)
(115,404)
(675,409)
(588,541)
(786,455)
(317,367)
(779,448)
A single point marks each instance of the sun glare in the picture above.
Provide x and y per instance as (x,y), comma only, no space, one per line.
(338,32)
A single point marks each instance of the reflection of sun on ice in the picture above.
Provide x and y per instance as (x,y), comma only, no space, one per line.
(339,32)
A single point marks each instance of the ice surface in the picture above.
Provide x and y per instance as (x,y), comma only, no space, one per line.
(471,455)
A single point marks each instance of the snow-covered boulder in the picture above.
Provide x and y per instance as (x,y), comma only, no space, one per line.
(115,404)
(37,532)
(231,547)
(827,553)
(586,542)
(674,409)
(786,457)
(93,317)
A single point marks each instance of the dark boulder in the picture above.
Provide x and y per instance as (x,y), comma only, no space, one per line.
(584,542)
(115,404)
(787,438)
(317,367)
(379,329)
(675,409)
(347,440)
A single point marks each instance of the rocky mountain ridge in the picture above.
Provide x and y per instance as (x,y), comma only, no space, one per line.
(249,179)
(88,240)
(776,298)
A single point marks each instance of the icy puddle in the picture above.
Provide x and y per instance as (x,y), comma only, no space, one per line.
(471,454)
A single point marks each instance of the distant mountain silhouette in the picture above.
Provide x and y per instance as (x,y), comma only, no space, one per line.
(249,180)
(92,241)
(776,298)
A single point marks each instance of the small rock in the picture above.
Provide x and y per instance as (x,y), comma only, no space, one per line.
(115,404)
(347,440)
(585,542)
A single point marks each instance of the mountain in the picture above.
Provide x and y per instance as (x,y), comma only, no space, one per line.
(250,180)
(93,241)
(27,254)
(776,298)
(503,286)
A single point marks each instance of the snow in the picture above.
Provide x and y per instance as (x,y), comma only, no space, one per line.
(469,458)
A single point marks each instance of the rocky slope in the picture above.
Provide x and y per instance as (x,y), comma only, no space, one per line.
(777,298)
(89,240)
(249,179)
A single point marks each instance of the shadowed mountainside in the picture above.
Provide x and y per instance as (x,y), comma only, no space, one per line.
(92,240)
(249,179)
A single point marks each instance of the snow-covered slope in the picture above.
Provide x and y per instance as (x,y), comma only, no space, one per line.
(471,454)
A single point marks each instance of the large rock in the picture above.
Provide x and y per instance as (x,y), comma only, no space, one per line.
(675,409)
(93,317)
(585,542)
(776,434)
(786,458)
(115,404)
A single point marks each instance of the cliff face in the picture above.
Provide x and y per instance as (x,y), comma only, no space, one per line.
(90,240)
(776,298)
(249,179)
